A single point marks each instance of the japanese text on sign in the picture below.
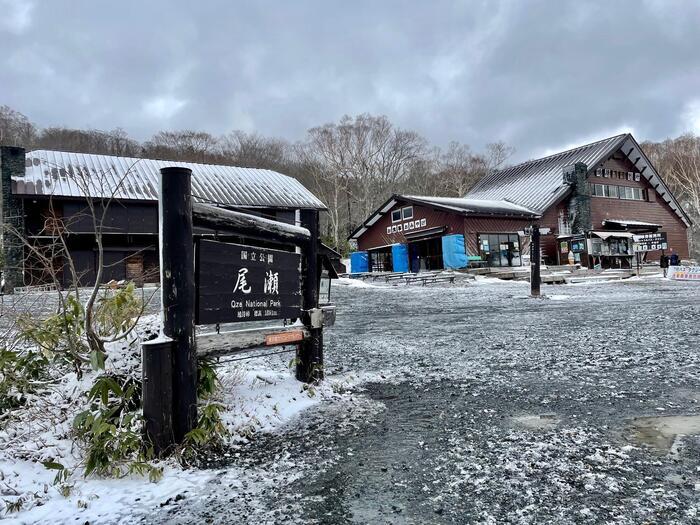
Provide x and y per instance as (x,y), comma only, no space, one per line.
(243,283)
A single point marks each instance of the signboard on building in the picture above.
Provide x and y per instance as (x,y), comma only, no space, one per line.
(684,273)
(649,242)
(245,283)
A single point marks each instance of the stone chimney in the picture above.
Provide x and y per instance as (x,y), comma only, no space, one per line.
(12,164)
(580,201)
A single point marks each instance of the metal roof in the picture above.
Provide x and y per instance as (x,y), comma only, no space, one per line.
(61,174)
(463,206)
(537,184)
(475,206)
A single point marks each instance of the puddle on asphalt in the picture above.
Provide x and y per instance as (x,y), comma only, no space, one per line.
(537,421)
(660,432)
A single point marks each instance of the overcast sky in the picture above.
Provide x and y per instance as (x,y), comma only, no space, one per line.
(540,75)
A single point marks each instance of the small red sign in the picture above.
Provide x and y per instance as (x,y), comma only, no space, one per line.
(284,337)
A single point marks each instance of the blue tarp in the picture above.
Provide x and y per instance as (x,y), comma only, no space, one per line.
(454,255)
(399,257)
(359,262)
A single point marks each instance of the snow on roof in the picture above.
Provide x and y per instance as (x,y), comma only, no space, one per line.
(463,206)
(537,184)
(620,235)
(476,205)
(62,174)
(625,222)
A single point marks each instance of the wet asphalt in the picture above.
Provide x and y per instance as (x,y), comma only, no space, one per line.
(479,404)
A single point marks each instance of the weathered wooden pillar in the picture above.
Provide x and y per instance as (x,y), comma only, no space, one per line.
(178,292)
(535,260)
(310,353)
(157,375)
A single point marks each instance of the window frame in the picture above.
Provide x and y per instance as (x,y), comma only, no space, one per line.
(400,212)
(403,213)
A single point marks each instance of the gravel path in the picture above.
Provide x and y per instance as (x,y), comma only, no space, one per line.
(478,404)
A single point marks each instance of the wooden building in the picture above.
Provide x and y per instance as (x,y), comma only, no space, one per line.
(594,198)
(45,193)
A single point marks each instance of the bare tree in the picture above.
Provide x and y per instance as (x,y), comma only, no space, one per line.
(460,169)
(678,161)
(254,151)
(364,157)
(184,145)
(115,142)
(497,153)
(15,128)
(48,258)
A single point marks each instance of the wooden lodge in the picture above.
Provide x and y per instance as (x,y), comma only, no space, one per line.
(594,199)
(44,194)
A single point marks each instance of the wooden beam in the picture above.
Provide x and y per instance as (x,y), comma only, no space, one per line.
(225,343)
(249,226)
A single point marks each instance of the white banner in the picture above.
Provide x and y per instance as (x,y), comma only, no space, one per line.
(684,273)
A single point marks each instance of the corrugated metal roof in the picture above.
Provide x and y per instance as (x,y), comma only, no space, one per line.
(56,173)
(537,184)
(476,206)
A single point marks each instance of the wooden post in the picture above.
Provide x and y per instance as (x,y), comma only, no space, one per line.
(310,353)
(178,292)
(535,261)
(157,375)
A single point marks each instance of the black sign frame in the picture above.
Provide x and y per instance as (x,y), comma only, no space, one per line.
(269,288)
(650,242)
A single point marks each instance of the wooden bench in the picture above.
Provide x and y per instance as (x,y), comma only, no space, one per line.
(420,276)
(432,280)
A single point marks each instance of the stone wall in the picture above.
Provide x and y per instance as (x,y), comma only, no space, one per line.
(12,162)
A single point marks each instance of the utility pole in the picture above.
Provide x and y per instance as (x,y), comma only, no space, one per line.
(535,260)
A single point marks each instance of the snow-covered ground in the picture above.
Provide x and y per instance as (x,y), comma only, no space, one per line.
(452,404)
(259,395)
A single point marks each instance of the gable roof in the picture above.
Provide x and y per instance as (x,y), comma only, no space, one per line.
(62,174)
(539,183)
(460,205)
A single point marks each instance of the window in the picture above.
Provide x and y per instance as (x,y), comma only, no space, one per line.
(408,213)
(617,192)
(500,249)
(611,191)
(396,216)
(631,194)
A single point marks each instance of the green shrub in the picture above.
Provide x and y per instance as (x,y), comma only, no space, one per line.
(59,335)
(112,429)
(21,373)
(116,311)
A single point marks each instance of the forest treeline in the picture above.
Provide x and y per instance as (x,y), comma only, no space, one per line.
(352,165)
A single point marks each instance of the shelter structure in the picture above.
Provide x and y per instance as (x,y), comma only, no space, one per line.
(594,199)
(45,193)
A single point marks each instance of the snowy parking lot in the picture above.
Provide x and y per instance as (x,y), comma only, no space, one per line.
(479,404)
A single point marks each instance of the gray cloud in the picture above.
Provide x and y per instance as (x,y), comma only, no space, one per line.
(539,74)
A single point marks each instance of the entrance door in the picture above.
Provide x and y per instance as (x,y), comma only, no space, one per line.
(134,268)
(500,249)
(426,254)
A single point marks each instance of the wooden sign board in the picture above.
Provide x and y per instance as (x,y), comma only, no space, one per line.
(237,283)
